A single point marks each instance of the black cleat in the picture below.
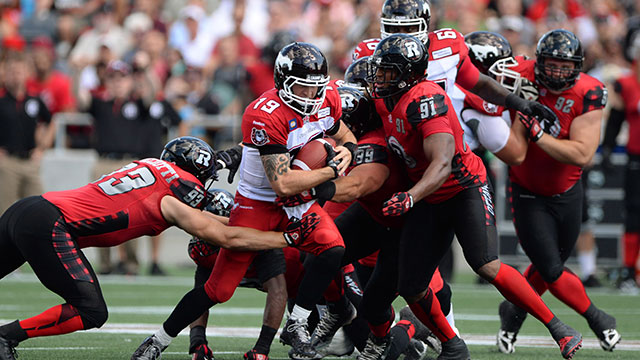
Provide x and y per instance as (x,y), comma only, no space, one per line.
(296,334)
(376,348)
(604,326)
(454,349)
(329,324)
(7,349)
(511,319)
(150,349)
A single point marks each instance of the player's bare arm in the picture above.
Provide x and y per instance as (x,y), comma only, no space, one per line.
(584,136)
(439,149)
(490,90)
(285,181)
(343,155)
(362,180)
(198,224)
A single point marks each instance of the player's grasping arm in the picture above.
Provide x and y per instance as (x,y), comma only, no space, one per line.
(286,181)
(361,181)
(346,142)
(207,228)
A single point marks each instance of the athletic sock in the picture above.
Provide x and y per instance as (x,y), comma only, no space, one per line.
(197,336)
(631,249)
(569,289)
(299,312)
(515,288)
(163,338)
(401,335)
(60,319)
(428,311)
(535,279)
(381,330)
(263,345)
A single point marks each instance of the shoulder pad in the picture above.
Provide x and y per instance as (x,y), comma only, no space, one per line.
(189,192)
(594,99)
(425,108)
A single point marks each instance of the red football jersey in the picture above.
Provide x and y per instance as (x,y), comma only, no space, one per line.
(540,173)
(125,204)
(628,88)
(269,125)
(422,111)
(364,48)
(449,62)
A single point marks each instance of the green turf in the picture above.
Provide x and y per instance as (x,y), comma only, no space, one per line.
(145,300)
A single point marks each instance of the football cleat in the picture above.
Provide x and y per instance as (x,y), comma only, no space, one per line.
(7,349)
(376,348)
(416,350)
(150,349)
(329,324)
(296,334)
(341,345)
(569,340)
(202,352)
(506,341)
(454,349)
(604,326)
(254,355)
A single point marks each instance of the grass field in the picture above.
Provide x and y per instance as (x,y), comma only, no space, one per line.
(138,305)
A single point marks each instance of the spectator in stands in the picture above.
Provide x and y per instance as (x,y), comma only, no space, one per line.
(189,36)
(25,132)
(118,114)
(154,43)
(105,31)
(152,9)
(52,86)
(43,21)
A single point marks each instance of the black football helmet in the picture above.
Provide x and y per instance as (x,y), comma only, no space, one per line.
(358,112)
(303,64)
(192,155)
(491,53)
(220,203)
(558,44)
(406,16)
(398,63)
(356,75)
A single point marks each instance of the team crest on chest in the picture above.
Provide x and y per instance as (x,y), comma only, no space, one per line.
(259,136)
(489,107)
(305,120)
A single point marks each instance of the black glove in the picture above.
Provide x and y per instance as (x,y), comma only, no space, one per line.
(299,229)
(534,130)
(530,108)
(331,153)
(322,192)
(229,159)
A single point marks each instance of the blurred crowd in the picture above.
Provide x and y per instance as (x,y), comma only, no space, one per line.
(214,56)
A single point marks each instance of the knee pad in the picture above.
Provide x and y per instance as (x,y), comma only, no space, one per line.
(90,305)
(551,272)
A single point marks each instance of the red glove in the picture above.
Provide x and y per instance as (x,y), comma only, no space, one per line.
(400,203)
(298,199)
(534,130)
(298,230)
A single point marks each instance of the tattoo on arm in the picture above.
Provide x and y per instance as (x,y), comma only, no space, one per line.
(275,165)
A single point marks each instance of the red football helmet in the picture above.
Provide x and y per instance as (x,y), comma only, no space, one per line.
(364,48)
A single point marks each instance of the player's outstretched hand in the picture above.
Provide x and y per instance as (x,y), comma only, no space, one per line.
(400,203)
(534,130)
(229,159)
(299,229)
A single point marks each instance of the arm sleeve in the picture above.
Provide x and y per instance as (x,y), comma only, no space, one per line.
(468,74)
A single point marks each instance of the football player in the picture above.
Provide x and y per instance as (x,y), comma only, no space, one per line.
(142,198)
(449,64)
(450,193)
(490,124)
(548,214)
(266,274)
(275,126)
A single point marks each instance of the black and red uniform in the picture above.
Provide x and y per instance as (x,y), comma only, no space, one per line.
(462,205)
(547,205)
(49,232)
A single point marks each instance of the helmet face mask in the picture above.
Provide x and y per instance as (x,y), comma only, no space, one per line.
(398,63)
(410,17)
(561,47)
(301,64)
(509,79)
(192,155)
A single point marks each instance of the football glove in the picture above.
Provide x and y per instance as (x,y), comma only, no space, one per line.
(229,159)
(298,229)
(331,153)
(534,130)
(400,203)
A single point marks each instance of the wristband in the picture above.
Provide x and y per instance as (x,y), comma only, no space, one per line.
(513,101)
(326,190)
(351,147)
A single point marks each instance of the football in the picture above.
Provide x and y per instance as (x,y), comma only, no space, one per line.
(312,155)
